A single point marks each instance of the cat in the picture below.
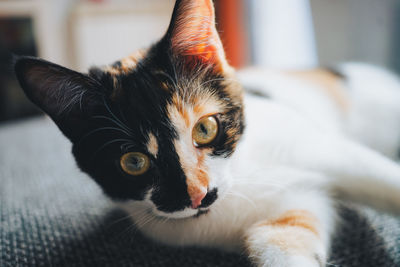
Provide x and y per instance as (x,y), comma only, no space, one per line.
(170,134)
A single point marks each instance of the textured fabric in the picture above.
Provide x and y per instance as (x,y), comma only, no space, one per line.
(53,215)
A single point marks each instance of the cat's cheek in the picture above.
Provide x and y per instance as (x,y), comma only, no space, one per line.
(133,207)
(140,209)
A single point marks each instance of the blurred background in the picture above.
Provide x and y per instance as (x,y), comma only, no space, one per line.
(287,34)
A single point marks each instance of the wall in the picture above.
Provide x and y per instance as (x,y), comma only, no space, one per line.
(354,30)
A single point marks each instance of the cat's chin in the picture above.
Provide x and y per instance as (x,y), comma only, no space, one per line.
(140,209)
(183,214)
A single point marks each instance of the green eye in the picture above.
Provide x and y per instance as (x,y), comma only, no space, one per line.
(135,163)
(205,131)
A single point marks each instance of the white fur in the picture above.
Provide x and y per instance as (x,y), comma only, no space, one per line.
(297,148)
(374,117)
(255,196)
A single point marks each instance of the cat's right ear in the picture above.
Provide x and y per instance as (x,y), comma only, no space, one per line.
(193,36)
(65,95)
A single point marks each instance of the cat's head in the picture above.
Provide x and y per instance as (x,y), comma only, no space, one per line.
(158,126)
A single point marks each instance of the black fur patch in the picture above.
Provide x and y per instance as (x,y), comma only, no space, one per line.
(210,198)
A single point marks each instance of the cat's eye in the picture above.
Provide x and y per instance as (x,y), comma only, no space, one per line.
(135,163)
(205,131)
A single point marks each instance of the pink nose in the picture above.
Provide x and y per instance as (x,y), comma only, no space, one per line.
(196,200)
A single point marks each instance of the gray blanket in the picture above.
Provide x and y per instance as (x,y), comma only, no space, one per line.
(53,215)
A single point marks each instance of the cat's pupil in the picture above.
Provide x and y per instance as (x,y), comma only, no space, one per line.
(203,129)
(136,163)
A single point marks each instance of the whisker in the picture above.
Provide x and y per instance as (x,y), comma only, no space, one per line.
(122,115)
(80,100)
(112,114)
(104,128)
(214,80)
(332,264)
(133,229)
(124,234)
(127,147)
(126,217)
(114,121)
(169,77)
(146,221)
(175,73)
(243,197)
(269,183)
(117,120)
(108,143)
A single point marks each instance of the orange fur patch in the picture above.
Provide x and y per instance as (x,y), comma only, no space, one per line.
(127,64)
(296,218)
(164,86)
(192,163)
(184,114)
(193,109)
(326,80)
(152,145)
(186,118)
(198,109)
(296,230)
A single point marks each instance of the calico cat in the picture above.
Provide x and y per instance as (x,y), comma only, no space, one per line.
(172,137)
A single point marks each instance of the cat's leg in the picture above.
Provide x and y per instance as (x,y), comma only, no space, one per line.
(289,139)
(373,116)
(355,171)
(361,174)
(369,97)
(297,237)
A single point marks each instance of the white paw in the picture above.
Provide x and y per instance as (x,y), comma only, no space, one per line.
(275,257)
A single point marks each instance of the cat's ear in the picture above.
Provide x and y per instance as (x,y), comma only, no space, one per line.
(65,95)
(192,34)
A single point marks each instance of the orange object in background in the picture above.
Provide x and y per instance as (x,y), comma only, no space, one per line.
(231,24)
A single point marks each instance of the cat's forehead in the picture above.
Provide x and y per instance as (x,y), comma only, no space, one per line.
(147,84)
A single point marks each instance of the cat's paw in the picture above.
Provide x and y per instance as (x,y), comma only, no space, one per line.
(275,257)
(292,241)
(316,256)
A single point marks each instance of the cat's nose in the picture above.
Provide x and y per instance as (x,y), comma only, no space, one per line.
(197,198)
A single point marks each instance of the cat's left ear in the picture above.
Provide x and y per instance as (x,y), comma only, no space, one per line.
(67,96)
(193,36)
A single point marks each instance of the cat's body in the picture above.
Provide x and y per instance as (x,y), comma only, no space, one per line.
(296,152)
(170,134)
(355,100)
